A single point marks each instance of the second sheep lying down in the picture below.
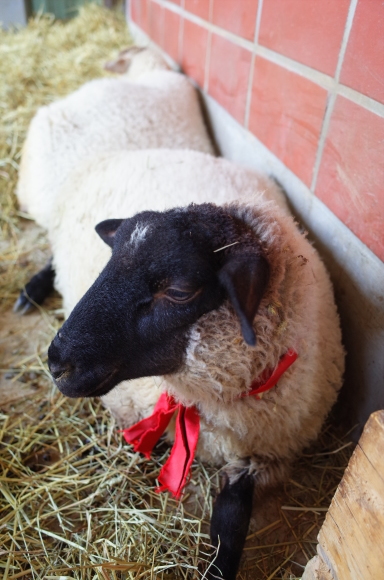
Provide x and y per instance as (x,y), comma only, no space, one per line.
(210,296)
(147,106)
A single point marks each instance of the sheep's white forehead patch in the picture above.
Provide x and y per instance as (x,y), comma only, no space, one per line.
(138,235)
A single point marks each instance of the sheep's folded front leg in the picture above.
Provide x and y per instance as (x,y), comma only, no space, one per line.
(36,290)
(229,526)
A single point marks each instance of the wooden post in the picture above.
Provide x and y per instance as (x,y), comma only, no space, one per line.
(351,540)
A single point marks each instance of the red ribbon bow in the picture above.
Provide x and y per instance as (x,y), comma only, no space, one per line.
(145,434)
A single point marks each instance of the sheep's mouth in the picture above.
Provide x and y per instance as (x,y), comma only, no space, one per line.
(106,385)
(74,387)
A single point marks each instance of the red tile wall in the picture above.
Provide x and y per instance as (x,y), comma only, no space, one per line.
(308,31)
(238,17)
(194,51)
(198,7)
(363,67)
(292,137)
(229,70)
(351,173)
(171,35)
(306,77)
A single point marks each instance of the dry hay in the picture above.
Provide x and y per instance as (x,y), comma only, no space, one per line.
(43,61)
(75,502)
(78,503)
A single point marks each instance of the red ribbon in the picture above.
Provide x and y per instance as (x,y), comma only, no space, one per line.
(264,383)
(145,434)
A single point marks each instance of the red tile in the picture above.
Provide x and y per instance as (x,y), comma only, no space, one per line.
(363,67)
(229,70)
(140,14)
(198,7)
(175,1)
(309,31)
(238,17)
(156,23)
(171,34)
(134,13)
(286,115)
(195,42)
(350,180)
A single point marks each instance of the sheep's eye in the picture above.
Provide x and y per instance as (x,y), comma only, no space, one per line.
(180,296)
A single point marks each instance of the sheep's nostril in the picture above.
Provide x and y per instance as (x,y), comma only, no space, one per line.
(58,371)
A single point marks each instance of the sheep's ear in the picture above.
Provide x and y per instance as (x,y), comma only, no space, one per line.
(107,230)
(123,61)
(245,279)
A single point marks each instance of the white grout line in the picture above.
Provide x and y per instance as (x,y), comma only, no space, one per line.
(344,42)
(207,65)
(333,95)
(323,80)
(362,100)
(251,72)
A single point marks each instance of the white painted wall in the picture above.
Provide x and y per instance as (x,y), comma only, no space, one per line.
(12,12)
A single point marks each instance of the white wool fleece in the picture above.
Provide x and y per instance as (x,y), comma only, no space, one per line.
(297,310)
(158,109)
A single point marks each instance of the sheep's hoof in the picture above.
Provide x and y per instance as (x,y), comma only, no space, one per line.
(23,305)
(36,290)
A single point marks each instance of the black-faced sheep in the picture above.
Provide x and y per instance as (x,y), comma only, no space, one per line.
(212,286)
(211,297)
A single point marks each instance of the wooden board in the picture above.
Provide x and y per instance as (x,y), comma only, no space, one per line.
(351,540)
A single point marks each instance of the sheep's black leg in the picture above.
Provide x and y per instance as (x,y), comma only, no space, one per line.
(36,290)
(229,526)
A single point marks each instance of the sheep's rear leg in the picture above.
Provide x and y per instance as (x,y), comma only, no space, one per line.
(36,290)
(229,526)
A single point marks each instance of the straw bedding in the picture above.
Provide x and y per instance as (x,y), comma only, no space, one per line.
(75,502)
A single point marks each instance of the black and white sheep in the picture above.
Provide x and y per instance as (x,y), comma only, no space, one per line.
(209,285)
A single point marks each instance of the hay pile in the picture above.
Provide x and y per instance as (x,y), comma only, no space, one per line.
(78,504)
(75,503)
(46,60)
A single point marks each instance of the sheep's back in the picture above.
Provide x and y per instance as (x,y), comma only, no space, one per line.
(161,110)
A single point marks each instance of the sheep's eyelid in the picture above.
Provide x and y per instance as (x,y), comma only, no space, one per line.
(190,294)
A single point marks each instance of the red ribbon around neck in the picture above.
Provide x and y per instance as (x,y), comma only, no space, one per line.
(145,434)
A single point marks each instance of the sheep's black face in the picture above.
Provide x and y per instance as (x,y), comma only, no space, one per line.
(164,274)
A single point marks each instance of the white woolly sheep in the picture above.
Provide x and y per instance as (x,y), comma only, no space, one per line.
(148,107)
(200,353)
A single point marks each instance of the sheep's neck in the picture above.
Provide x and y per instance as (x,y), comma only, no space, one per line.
(145,434)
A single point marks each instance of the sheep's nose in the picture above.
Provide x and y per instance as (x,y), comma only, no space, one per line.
(57,371)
